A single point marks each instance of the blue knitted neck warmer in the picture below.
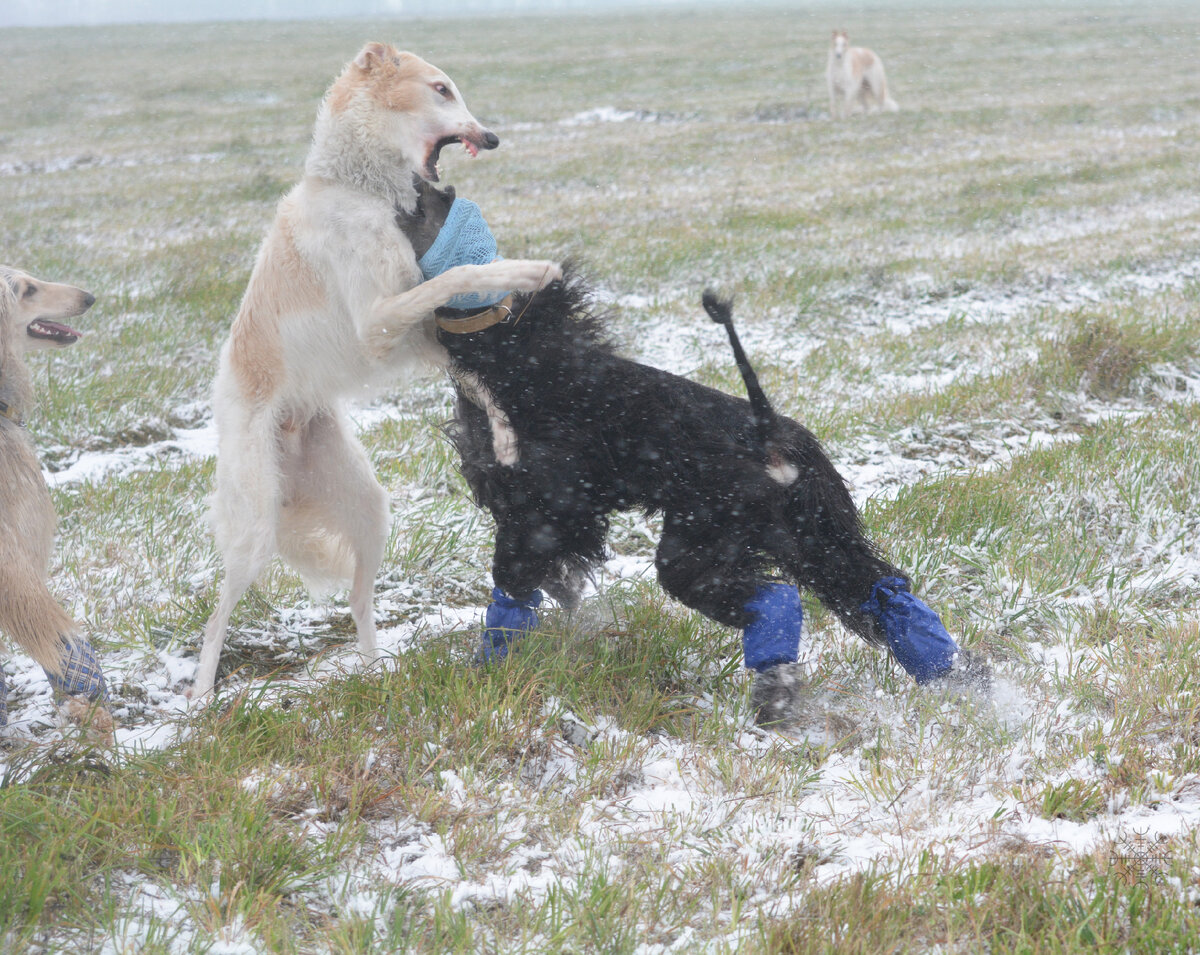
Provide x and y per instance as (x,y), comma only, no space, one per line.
(465,239)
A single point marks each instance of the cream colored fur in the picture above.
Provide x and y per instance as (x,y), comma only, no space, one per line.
(29,615)
(856,79)
(334,311)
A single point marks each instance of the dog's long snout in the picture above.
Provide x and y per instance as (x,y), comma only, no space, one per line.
(489,140)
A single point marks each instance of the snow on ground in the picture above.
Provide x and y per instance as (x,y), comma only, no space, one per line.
(610,114)
(683,346)
(842,824)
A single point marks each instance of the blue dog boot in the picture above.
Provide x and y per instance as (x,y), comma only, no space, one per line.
(81,674)
(506,621)
(770,648)
(915,633)
(3,700)
(773,636)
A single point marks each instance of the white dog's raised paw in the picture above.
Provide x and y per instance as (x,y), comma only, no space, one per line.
(553,273)
(532,275)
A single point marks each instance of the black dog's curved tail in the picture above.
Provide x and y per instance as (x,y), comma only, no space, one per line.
(720,310)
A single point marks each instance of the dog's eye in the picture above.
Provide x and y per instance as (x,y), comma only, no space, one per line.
(443,90)
(30,291)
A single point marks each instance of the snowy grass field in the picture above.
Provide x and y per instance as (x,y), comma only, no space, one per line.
(987,305)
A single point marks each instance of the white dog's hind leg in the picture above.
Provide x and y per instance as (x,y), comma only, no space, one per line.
(238,578)
(362,606)
(243,517)
(333,472)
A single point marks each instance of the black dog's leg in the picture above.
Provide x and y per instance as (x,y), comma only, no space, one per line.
(517,570)
(842,573)
(718,571)
(707,571)
(528,548)
(841,566)
(832,556)
(536,547)
(716,567)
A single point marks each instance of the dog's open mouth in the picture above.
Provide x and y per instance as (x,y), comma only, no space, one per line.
(431,162)
(56,332)
(489,141)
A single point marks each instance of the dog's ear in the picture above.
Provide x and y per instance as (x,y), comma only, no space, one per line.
(371,54)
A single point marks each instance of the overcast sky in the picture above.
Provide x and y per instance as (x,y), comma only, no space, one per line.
(63,12)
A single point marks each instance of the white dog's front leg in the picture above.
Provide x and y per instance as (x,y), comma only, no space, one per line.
(392,316)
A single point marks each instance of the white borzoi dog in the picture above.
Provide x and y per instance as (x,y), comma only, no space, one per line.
(335,309)
(856,79)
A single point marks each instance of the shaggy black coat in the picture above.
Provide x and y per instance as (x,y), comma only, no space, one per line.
(599,433)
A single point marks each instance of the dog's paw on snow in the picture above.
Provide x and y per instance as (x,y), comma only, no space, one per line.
(775,695)
(92,718)
(970,674)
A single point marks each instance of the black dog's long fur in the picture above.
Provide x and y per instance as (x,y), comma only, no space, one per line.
(599,433)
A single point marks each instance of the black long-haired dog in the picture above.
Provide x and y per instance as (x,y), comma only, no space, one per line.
(747,496)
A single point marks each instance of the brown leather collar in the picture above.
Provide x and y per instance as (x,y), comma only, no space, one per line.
(500,312)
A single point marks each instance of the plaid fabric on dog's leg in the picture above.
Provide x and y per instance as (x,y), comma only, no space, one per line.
(81,674)
(3,699)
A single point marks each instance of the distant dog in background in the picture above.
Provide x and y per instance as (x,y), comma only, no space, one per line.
(856,79)
(30,319)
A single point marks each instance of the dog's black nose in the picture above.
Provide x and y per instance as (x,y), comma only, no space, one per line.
(490,139)
(88,300)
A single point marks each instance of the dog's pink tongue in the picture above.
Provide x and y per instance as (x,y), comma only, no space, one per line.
(471,148)
(53,331)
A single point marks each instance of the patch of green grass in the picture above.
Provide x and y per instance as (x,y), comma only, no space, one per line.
(1073,799)
(1015,904)
(73,825)
(1105,356)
